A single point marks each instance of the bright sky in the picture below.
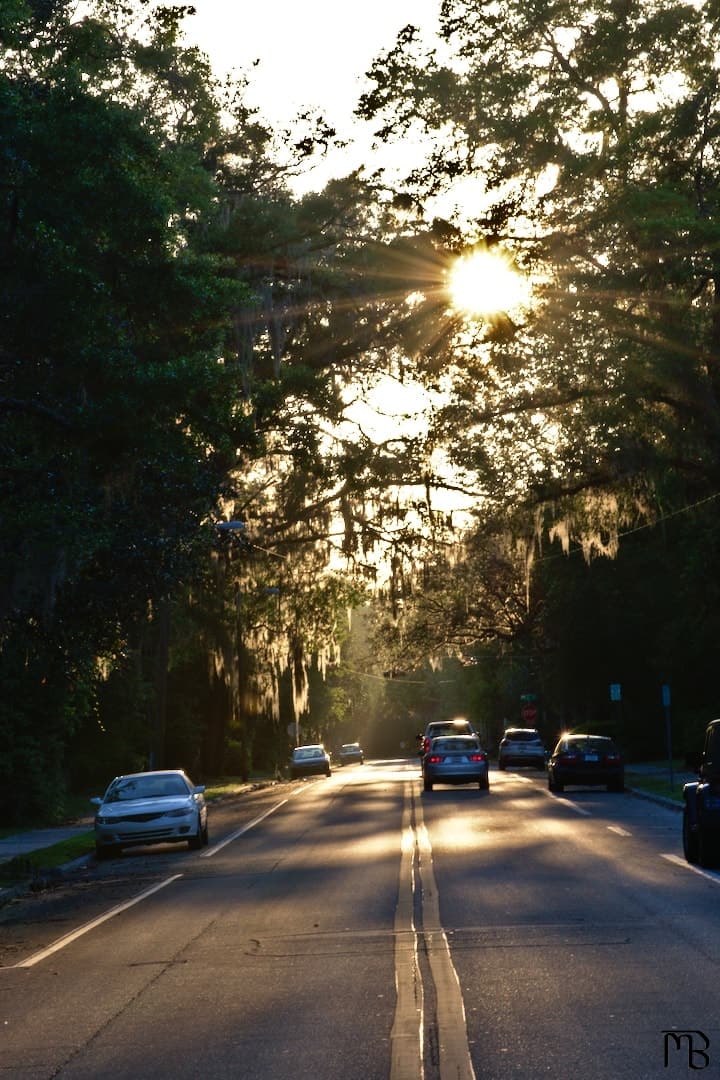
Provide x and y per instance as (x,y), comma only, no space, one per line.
(310,52)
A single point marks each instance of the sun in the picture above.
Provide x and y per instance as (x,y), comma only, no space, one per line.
(485,283)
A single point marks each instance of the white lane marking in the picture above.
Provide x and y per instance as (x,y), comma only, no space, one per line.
(618,830)
(679,861)
(566,802)
(209,852)
(454,1050)
(406,1037)
(74,934)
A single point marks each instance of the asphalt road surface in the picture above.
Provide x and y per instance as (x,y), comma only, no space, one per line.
(357,928)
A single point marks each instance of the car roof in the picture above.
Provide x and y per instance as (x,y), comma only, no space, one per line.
(449,724)
(586,738)
(152,772)
(467,737)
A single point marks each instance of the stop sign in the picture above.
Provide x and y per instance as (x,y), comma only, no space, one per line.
(529,713)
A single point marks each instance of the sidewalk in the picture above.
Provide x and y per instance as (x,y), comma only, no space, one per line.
(11,847)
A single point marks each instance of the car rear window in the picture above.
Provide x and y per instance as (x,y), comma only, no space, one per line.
(597,743)
(309,753)
(455,743)
(435,730)
(522,736)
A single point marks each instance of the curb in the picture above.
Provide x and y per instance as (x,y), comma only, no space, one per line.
(661,800)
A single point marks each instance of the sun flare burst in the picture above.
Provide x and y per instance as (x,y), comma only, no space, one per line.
(485,283)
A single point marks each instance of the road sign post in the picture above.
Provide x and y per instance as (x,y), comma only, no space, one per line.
(668,732)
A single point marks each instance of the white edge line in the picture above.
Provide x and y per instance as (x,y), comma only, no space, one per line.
(68,938)
(679,861)
(245,828)
(619,830)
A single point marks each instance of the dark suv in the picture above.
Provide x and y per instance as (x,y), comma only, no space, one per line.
(437,728)
(701,813)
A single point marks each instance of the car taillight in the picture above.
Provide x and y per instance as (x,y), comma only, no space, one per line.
(478,757)
(426,745)
(434,759)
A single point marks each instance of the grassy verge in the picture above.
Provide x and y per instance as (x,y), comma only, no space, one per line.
(36,864)
(658,783)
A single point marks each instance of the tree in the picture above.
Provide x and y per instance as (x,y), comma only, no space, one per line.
(592,130)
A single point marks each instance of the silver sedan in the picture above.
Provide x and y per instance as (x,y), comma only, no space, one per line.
(161,807)
(455,759)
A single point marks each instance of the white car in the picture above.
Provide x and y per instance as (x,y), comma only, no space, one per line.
(161,807)
(522,746)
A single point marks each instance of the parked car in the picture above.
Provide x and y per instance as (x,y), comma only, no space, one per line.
(522,746)
(443,727)
(455,759)
(701,797)
(159,807)
(350,753)
(309,760)
(586,759)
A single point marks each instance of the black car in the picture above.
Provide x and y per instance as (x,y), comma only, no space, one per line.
(587,760)
(701,812)
(436,728)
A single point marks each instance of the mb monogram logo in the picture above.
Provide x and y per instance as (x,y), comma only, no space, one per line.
(691,1046)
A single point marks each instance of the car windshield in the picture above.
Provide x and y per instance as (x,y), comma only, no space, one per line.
(146,787)
(456,743)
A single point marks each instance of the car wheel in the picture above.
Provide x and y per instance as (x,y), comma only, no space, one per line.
(206,835)
(327,772)
(484,784)
(427,785)
(690,839)
(106,851)
(196,842)
(707,849)
(502,766)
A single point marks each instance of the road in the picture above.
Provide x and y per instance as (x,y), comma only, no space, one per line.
(358,928)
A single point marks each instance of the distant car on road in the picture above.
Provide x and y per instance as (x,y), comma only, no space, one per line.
(522,746)
(350,753)
(586,759)
(309,760)
(159,807)
(444,727)
(455,759)
(701,812)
